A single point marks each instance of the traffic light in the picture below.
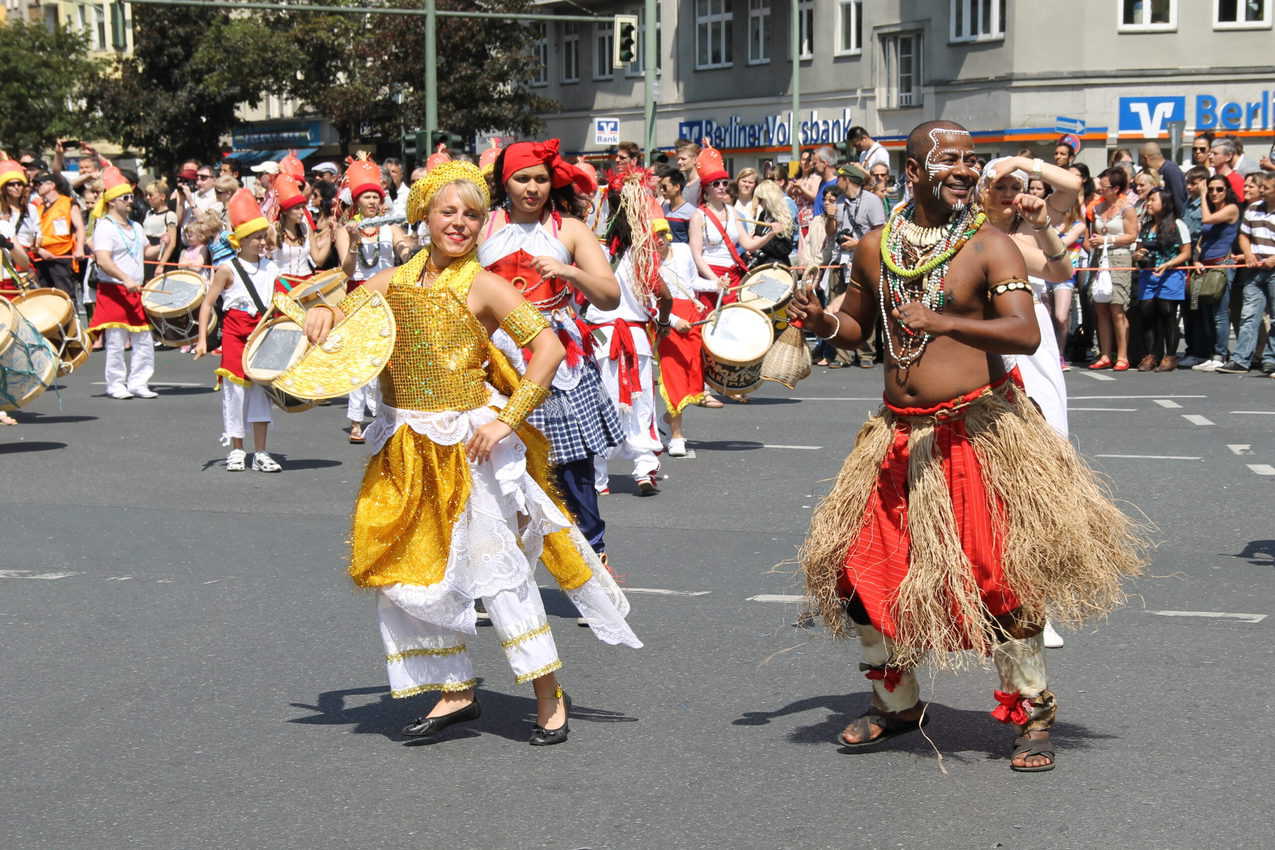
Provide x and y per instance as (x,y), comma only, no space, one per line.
(453,141)
(623,40)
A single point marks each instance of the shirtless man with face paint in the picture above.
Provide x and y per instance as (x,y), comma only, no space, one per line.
(932,540)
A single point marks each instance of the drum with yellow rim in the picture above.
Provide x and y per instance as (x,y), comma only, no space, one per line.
(273,346)
(735,344)
(28,363)
(322,288)
(52,312)
(171,301)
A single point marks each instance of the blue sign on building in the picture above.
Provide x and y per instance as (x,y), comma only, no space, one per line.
(1148,116)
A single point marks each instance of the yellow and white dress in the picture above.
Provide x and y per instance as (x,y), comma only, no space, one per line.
(433,531)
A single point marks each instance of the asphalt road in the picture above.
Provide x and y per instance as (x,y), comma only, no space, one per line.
(187,666)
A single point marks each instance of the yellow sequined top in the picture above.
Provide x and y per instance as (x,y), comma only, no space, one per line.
(440,351)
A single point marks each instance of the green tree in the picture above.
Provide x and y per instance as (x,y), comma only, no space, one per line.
(45,77)
(354,67)
(176,96)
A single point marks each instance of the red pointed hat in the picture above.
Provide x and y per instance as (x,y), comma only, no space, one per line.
(292,166)
(289,194)
(245,217)
(114,184)
(363,175)
(438,157)
(11,170)
(709,165)
(488,156)
(659,224)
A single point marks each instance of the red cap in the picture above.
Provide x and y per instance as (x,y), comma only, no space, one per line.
(363,175)
(709,165)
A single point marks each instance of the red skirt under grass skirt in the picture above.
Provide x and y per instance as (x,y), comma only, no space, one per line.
(236,326)
(681,360)
(118,307)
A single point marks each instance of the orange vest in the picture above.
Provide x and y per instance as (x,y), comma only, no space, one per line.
(57,236)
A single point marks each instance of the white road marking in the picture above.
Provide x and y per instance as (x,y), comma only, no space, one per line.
(1153,457)
(34,575)
(119,578)
(775,597)
(1122,397)
(780,446)
(1240,448)
(1213,615)
(1253,412)
(1098,376)
(1262,468)
(1169,403)
(1104,409)
(167,384)
(660,591)
(1197,419)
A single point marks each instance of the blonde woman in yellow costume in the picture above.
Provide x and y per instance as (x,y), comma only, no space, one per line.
(456,504)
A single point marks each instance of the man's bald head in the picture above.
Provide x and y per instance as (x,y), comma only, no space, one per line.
(921,142)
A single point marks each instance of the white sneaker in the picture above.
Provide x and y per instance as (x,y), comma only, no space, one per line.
(1209,365)
(677,447)
(234,460)
(145,392)
(120,394)
(263,462)
(1053,640)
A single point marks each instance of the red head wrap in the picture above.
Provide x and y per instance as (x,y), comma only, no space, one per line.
(522,155)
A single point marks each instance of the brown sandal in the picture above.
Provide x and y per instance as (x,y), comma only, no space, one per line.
(1025,745)
(889,721)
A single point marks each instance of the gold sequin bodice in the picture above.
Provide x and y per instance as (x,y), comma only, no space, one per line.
(439,353)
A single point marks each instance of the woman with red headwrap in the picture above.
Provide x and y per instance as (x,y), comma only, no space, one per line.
(550,258)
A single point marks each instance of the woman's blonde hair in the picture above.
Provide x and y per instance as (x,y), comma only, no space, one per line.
(775,203)
(743,173)
(159,186)
(226,183)
(470,195)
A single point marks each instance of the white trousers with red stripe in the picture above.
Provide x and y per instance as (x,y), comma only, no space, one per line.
(641,439)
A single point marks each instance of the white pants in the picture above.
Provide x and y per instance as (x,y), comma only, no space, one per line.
(369,396)
(241,404)
(641,440)
(141,365)
(422,656)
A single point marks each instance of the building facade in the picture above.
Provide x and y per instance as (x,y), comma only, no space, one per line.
(1016,72)
(107,25)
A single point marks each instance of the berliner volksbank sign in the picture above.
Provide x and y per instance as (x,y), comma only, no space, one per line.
(771,131)
(1149,116)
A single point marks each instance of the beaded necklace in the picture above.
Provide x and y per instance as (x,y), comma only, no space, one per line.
(904,242)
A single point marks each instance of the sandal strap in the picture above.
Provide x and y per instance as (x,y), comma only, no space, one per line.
(1025,745)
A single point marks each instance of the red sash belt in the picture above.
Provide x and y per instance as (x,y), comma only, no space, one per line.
(624,353)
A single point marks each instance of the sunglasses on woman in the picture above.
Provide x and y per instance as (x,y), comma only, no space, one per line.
(720,184)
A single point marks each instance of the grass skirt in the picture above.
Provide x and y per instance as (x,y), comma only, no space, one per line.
(1060,543)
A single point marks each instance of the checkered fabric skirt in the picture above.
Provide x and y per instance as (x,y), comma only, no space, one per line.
(579,422)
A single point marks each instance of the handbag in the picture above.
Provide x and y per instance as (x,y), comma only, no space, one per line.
(1102,290)
(1206,284)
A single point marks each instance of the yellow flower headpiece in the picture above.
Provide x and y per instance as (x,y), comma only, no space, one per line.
(423,190)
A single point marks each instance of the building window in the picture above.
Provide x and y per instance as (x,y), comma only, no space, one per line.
(101,27)
(758,32)
(1241,14)
(540,52)
(805,34)
(570,52)
(713,25)
(849,27)
(900,70)
(637,67)
(1148,15)
(977,20)
(603,42)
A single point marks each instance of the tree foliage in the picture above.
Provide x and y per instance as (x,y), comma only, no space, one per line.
(45,77)
(176,96)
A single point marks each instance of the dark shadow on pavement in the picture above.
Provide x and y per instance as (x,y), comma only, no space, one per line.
(1260,553)
(163,391)
(29,446)
(302,463)
(39,419)
(510,716)
(956,732)
(765,400)
(724,445)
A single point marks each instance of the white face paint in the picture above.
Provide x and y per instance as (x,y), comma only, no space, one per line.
(938,170)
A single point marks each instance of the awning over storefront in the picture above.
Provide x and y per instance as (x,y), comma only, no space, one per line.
(254,157)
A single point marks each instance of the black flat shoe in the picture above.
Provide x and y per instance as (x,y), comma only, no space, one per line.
(542,737)
(424,727)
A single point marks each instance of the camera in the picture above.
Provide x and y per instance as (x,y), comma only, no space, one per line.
(843,234)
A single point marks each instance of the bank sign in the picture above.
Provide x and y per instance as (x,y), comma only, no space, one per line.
(1150,116)
(771,131)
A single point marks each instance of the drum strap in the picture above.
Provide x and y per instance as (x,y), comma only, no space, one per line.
(251,287)
(726,240)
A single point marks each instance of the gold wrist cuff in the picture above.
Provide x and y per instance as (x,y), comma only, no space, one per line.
(354,300)
(525,399)
(523,323)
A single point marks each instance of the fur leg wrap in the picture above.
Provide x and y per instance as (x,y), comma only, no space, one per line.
(1025,700)
(893,689)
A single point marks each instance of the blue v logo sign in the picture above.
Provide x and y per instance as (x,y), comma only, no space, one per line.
(1148,116)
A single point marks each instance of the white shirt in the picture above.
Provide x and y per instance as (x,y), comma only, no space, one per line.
(630,309)
(126,244)
(679,272)
(262,273)
(875,155)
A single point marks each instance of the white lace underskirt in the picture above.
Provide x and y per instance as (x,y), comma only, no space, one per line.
(499,536)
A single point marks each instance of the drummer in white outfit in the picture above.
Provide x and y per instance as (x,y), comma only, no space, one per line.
(364,253)
(1029,222)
